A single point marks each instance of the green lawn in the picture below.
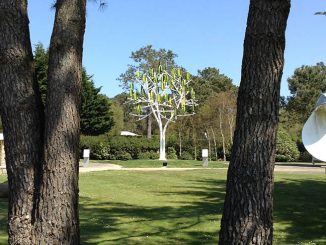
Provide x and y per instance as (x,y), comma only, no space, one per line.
(157,163)
(125,207)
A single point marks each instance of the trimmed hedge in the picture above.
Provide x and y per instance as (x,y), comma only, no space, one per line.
(133,145)
(120,147)
(149,155)
(99,146)
(113,148)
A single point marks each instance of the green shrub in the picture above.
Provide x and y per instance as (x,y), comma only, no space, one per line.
(133,145)
(286,148)
(148,155)
(186,156)
(98,145)
(125,156)
(171,153)
(281,158)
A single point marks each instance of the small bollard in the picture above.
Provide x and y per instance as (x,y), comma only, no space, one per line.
(204,155)
(86,154)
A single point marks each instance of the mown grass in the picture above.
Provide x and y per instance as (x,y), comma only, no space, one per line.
(157,163)
(126,207)
(3,215)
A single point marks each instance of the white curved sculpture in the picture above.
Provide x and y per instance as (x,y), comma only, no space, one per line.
(314,130)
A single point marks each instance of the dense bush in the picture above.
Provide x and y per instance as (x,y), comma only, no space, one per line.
(98,145)
(122,155)
(148,155)
(120,147)
(125,148)
(171,153)
(186,156)
(133,145)
(286,148)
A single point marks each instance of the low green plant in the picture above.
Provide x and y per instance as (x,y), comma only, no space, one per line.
(148,155)
(98,145)
(133,145)
(124,156)
(171,153)
(186,156)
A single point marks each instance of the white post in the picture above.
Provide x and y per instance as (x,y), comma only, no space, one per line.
(86,154)
(205,157)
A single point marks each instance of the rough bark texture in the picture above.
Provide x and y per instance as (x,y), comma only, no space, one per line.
(57,220)
(21,113)
(247,215)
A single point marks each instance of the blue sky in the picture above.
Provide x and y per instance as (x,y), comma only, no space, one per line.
(204,33)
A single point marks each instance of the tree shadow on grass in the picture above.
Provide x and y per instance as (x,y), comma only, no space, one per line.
(175,222)
(300,211)
(299,216)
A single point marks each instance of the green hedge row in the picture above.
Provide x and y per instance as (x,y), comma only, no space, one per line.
(120,147)
(125,148)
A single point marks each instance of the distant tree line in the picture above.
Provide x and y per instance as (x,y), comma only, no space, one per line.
(305,86)
(213,124)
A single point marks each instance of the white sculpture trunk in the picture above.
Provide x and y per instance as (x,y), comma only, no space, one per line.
(162,143)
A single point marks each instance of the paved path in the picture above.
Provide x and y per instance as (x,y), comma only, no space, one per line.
(278,168)
(93,167)
(301,169)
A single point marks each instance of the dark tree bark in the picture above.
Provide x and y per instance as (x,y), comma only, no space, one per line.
(247,216)
(57,219)
(21,113)
(42,156)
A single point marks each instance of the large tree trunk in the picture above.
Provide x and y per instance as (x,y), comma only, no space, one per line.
(57,219)
(21,111)
(247,215)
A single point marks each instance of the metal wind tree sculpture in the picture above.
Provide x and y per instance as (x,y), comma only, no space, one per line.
(165,95)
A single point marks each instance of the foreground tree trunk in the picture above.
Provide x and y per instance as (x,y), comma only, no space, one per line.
(42,158)
(247,215)
(21,113)
(57,221)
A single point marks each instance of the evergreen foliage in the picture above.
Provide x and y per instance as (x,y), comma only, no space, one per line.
(210,81)
(96,117)
(305,86)
(143,60)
